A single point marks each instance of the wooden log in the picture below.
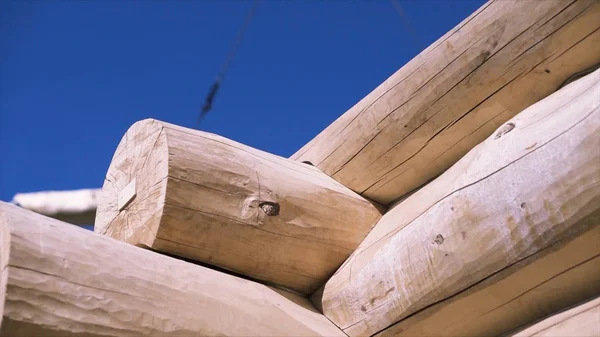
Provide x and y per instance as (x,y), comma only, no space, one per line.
(582,320)
(62,280)
(533,184)
(207,198)
(500,60)
(552,279)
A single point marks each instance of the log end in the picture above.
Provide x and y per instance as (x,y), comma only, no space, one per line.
(132,197)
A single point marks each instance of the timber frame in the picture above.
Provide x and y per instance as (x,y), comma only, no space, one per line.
(461,197)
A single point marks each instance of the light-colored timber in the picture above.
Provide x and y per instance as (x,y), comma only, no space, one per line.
(62,280)
(553,279)
(453,95)
(580,321)
(207,198)
(532,185)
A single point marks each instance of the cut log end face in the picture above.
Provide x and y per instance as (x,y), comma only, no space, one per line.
(134,181)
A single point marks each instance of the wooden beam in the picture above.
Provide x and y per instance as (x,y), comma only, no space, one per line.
(207,198)
(500,60)
(582,320)
(62,280)
(532,185)
(552,279)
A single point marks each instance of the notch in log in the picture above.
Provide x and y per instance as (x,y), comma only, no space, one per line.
(207,198)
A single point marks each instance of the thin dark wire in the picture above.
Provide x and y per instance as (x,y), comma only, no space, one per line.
(221,75)
(238,41)
(405,22)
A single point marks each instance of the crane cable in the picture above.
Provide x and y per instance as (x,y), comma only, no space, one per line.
(405,21)
(221,75)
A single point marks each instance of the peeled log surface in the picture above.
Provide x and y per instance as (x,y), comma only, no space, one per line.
(533,184)
(552,279)
(500,60)
(582,320)
(61,280)
(210,199)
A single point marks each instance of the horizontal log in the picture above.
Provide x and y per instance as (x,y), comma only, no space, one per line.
(582,320)
(552,279)
(500,60)
(77,207)
(532,184)
(203,197)
(62,280)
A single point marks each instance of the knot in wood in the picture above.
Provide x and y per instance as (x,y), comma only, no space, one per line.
(506,128)
(439,239)
(270,208)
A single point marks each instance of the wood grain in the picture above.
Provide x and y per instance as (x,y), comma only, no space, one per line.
(61,280)
(580,321)
(533,183)
(213,200)
(552,279)
(453,95)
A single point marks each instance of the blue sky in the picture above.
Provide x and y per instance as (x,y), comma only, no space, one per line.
(74,75)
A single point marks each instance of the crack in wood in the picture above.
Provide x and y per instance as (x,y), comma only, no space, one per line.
(396,230)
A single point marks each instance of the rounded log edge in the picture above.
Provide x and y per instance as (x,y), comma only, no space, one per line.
(4,256)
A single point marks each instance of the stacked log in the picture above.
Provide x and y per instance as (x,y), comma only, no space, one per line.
(507,235)
(203,197)
(206,198)
(62,280)
(506,56)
